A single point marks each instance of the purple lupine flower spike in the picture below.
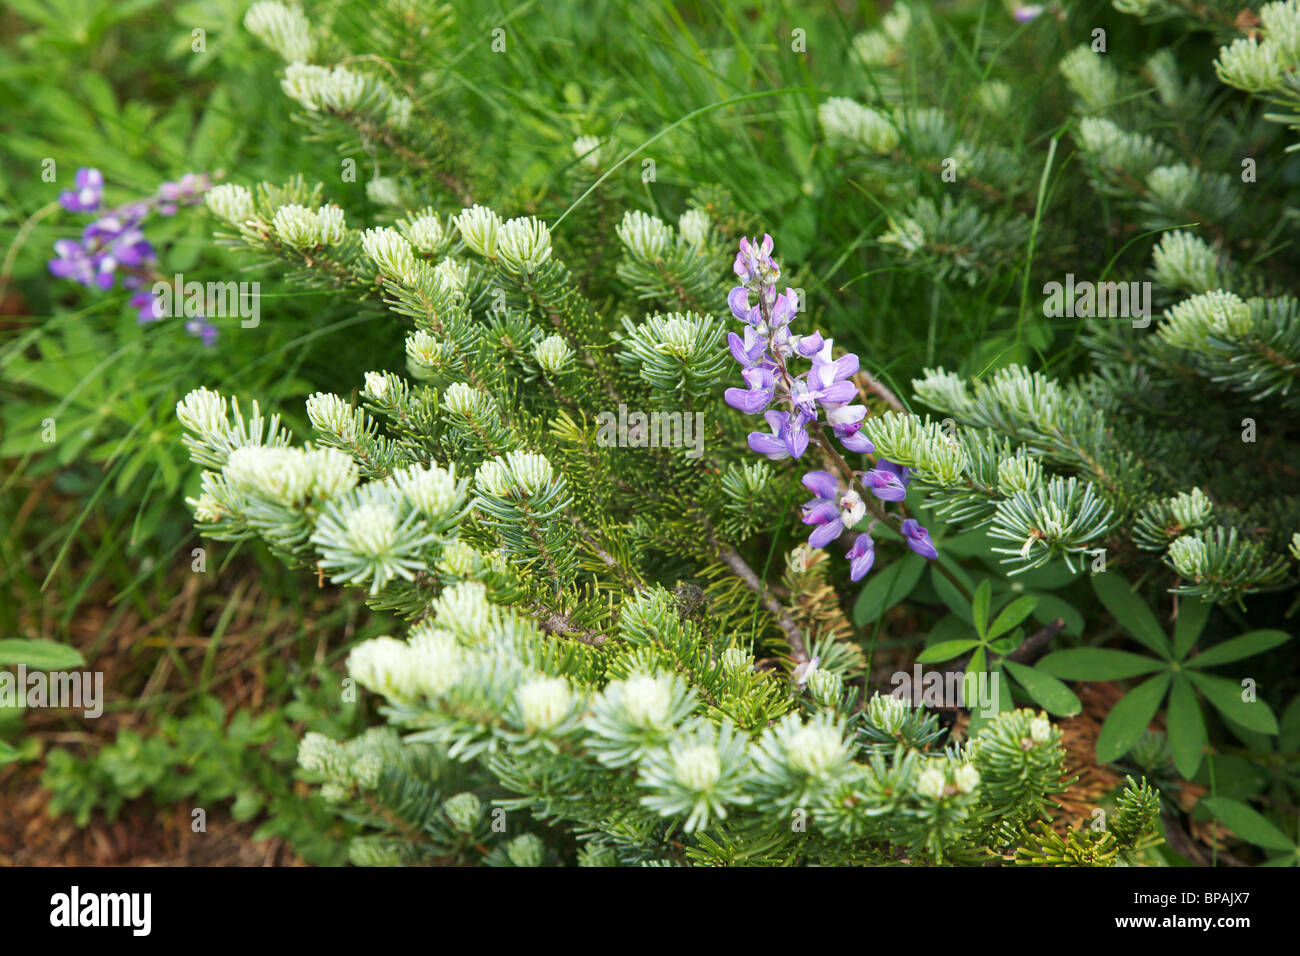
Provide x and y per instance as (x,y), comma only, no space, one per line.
(765,352)
(113,244)
(918,539)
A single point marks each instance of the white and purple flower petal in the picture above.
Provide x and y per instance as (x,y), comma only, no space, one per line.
(852,508)
(846,414)
(105,269)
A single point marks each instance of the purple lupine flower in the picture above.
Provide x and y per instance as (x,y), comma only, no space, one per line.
(109,242)
(754,263)
(148,308)
(738,301)
(186,191)
(796,435)
(106,230)
(861,556)
(827,489)
(853,439)
(77,263)
(845,367)
(846,422)
(884,482)
(765,352)
(832,511)
(762,385)
(202,329)
(132,249)
(113,240)
(902,471)
(807,345)
(827,383)
(918,539)
(783,307)
(788,438)
(87,195)
(747,351)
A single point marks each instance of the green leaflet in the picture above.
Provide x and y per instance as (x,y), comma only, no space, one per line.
(1129,718)
(39,655)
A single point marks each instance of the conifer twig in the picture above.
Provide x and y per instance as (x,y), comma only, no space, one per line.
(741,569)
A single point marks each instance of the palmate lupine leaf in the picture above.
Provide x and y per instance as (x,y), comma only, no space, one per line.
(1176,669)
